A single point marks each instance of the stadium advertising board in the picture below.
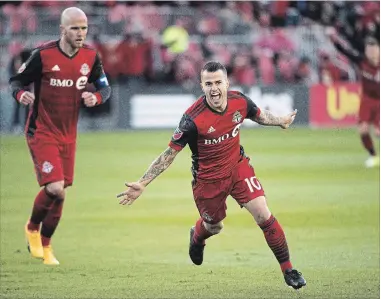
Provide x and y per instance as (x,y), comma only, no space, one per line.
(280,100)
(158,111)
(334,105)
(158,108)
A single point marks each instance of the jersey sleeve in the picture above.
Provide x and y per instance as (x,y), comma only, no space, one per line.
(99,79)
(252,109)
(28,72)
(97,73)
(185,132)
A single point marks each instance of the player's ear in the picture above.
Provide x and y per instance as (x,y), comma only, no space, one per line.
(62,29)
(227,83)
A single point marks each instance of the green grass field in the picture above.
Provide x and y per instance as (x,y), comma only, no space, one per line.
(317,187)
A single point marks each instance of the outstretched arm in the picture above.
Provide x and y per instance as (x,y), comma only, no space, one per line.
(160,164)
(266,118)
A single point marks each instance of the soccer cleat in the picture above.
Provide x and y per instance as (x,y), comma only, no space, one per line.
(49,258)
(33,239)
(294,279)
(196,251)
(372,161)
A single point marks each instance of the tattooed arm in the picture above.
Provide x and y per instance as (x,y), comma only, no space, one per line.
(266,118)
(158,166)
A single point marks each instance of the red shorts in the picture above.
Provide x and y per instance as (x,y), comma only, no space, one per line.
(370,112)
(210,197)
(53,161)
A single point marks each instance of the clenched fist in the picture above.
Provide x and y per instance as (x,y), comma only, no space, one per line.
(89,99)
(27,98)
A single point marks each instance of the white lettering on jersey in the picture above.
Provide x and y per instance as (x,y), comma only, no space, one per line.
(233,134)
(81,82)
(61,83)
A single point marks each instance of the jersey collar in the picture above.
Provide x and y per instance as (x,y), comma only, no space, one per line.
(63,53)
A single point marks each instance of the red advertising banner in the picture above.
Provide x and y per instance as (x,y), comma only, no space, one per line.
(334,105)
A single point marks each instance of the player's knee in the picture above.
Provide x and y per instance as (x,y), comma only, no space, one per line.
(262,217)
(363,128)
(214,228)
(258,209)
(56,190)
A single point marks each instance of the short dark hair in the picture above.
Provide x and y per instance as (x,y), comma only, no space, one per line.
(214,66)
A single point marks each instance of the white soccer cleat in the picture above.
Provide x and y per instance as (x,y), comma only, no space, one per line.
(372,161)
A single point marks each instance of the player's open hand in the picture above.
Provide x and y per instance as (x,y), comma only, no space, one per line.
(131,194)
(27,98)
(89,99)
(288,119)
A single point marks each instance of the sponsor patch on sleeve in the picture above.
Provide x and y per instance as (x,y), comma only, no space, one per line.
(177,134)
(22,68)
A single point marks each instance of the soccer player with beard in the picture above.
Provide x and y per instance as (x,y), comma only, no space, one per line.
(220,167)
(60,71)
(369,70)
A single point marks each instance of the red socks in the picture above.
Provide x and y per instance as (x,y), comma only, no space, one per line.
(274,236)
(277,242)
(46,210)
(41,207)
(50,223)
(200,232)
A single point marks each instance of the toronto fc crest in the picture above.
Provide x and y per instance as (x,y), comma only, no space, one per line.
(47,167)
(207,217)
(84,69)
(237,117)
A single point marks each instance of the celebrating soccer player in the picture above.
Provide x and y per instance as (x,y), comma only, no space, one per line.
(369,67)
(220,167)
(60,71)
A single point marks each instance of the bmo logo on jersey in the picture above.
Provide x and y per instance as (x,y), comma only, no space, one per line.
(61,83)
(79,84)
(233,134)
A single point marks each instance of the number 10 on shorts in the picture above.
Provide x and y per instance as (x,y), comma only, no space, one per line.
(253,183)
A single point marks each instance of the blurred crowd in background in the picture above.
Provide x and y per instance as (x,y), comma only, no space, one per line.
(262,42)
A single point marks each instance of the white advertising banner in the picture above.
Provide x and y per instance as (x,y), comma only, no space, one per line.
(280,103)
(159,111)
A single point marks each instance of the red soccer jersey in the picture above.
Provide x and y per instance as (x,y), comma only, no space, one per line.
(59,81)
(213,137)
